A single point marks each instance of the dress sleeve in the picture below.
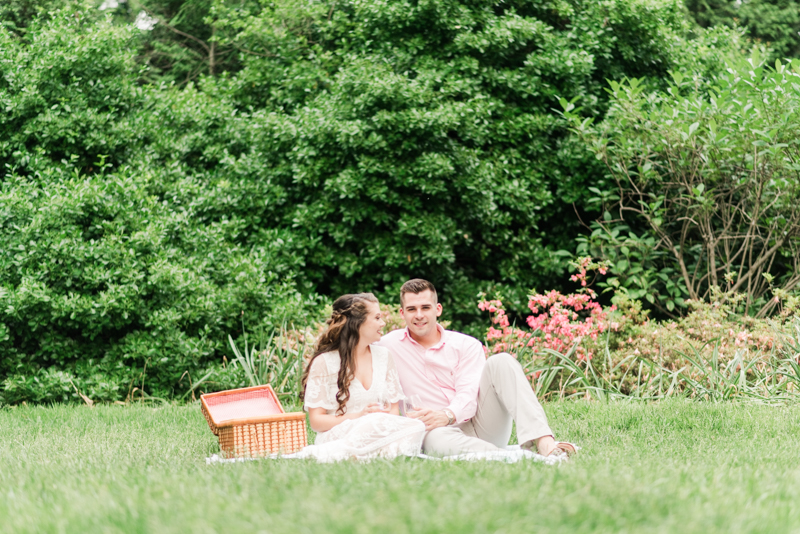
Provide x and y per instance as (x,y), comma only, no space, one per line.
(393,388)
(319,393)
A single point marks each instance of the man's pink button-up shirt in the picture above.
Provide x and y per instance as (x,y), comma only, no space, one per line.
(446,375)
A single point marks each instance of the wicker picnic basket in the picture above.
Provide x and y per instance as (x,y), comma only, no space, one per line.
(251,422)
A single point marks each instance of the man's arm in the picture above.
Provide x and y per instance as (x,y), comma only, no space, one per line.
(467,381)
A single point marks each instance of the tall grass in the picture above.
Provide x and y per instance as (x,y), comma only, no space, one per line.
(700,372)
(277,359)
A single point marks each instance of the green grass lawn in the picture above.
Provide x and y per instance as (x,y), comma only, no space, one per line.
(670,467)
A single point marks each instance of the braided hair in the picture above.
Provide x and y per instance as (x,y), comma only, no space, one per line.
(349,313)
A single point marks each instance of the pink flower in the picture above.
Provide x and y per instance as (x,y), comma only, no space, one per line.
(494,333)
(555,316)
(742,338)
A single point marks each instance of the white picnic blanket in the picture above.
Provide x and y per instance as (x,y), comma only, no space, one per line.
(511,454)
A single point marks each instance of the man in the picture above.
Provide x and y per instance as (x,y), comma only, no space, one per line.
(469,401)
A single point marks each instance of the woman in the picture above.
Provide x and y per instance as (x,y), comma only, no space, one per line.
(351,389)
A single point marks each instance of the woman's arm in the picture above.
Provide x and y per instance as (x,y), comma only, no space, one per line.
(322,422)
(393,388)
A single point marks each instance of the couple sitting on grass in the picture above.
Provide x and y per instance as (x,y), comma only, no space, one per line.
(456,400)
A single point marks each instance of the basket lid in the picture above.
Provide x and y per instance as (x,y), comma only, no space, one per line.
(247,403)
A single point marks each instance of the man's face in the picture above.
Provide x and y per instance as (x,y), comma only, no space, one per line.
(420,312)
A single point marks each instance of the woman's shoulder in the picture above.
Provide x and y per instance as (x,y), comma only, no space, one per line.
(380,352)
(382,358)
(326,363)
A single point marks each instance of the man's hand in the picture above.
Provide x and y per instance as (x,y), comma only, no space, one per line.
(431,418)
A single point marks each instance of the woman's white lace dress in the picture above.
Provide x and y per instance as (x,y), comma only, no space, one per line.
(370,436)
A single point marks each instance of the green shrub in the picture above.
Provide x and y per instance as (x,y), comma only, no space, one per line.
(123,264)
(378,146)
(419,138)
(106,270)
(359,145)
(774,23)
(712,173)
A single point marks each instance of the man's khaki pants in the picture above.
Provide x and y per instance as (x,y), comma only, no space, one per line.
(505,395)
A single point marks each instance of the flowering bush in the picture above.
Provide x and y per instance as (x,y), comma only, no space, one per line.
(562,339)
(558,321)
(708,327)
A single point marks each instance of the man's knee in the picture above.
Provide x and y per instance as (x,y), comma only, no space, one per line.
(502,360)
(451,440)
(442,441)
(442,435)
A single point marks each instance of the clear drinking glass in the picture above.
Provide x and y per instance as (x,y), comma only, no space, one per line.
(412,403)
(383,402)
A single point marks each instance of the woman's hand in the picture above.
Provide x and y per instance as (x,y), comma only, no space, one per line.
(371,408)
(322,422)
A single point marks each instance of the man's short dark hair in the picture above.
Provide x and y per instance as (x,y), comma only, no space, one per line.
(417,286)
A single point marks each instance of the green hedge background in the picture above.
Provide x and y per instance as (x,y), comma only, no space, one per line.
(233,165)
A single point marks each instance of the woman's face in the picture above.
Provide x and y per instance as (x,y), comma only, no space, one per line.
(371,329)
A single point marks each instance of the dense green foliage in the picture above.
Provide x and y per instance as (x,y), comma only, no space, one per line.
(715,177)
(343,146)
(774,23)
(120,269)
(16,15)
(424,137)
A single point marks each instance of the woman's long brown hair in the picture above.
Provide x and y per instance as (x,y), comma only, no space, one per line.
(349,313)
